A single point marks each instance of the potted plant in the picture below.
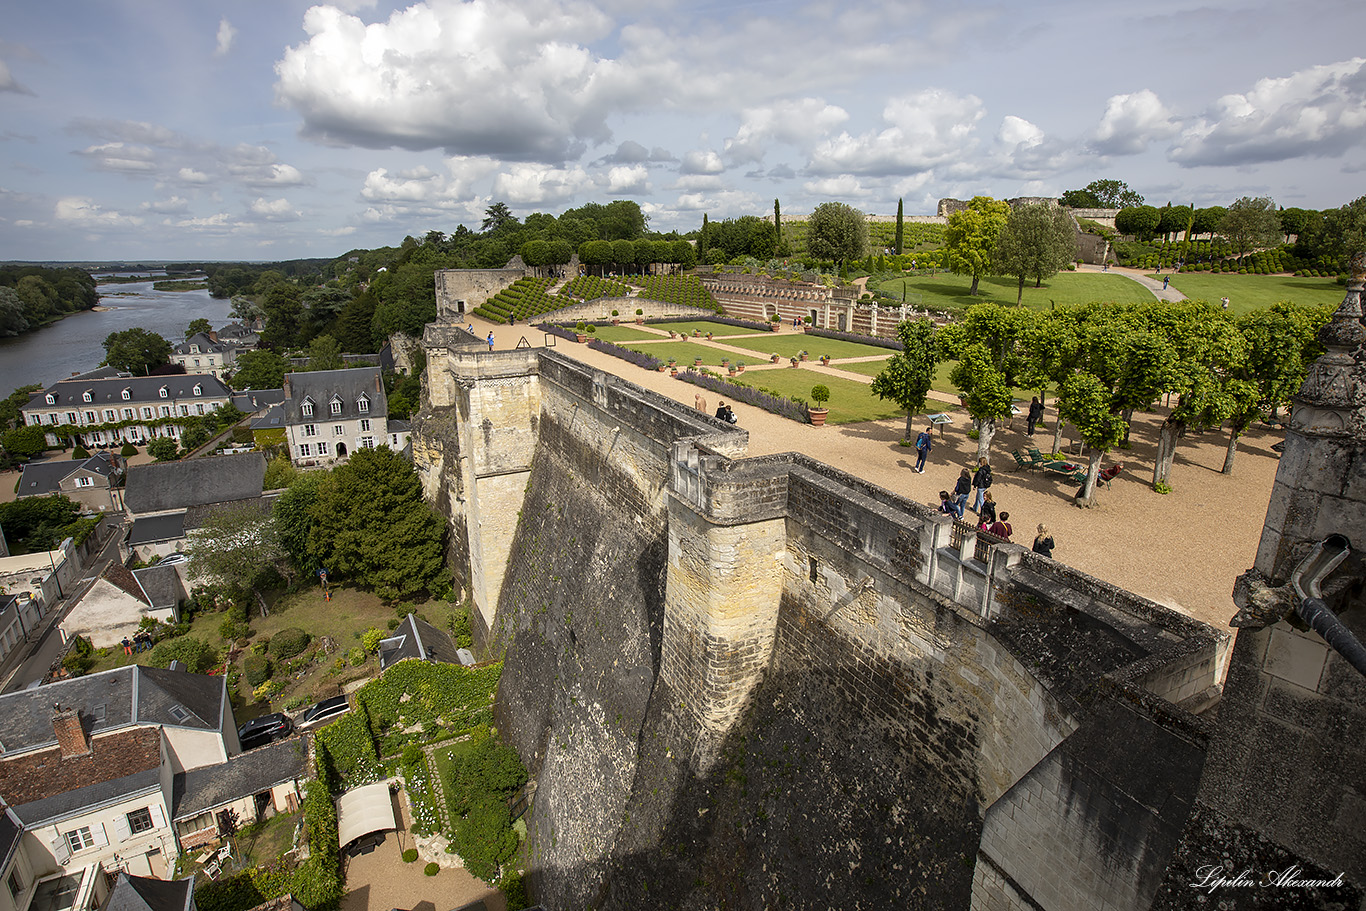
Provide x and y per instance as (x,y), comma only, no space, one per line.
(708,336)
(579,330)
(775,322)
(773,358)
(640,316)
(740,366)
(803,355)
(820,394)
(793,359)
(615,313)
(730,369)
(696,333)
(697,361)
(673,334)
(825,360)
(591,329)
(725,362)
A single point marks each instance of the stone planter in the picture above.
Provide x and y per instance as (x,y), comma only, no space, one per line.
(773,359)
(581,338)
(818,416)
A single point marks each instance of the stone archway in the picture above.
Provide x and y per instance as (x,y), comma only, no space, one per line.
(341,450)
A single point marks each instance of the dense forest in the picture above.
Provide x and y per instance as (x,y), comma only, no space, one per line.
(33,296)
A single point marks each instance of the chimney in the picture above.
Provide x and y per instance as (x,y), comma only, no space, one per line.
(71,737)
(213,335)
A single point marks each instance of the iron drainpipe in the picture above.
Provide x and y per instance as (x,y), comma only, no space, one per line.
(1305,580)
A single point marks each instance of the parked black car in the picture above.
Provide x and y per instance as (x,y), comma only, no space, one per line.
(323,712)
(263,730)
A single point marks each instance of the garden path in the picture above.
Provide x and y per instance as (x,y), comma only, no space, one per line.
(1141,276)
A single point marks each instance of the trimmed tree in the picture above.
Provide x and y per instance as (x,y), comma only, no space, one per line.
(970,238)
(1251,223)
(1084,402)
(907,377)
(1038,240)
(900,226)
(986,394)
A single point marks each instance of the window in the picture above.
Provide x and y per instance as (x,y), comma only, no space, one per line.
(338,430)
(51,399)
(310,430)
(365,425)
(166,411)
(363,404)
(147,412)
(87,397)
(367,443)
(16,885)
(52,418)
(90,417)
(163,393)
(127,394)
(336,405)
(305,450)
(139,821)
(196,362)
(85,482)
(71,417)
(199,407)
(80,839)
(194,349)
(198,389)
(109,415)
(307,409)
(322,449)
(184,409)
(127,414)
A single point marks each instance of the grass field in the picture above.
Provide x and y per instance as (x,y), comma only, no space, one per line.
(621,334)
(684,352)
(717,329)
(1248,292)
(850,400)
(790,345)
(949,290)
(940,383)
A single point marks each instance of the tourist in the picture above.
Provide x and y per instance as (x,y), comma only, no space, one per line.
(961,491)
(1224,300)
(724,413)
(947,506)
(1035,415)
(987,516)
(1043,542)
(1001,527)
(1166,279)
(981,480)
(923,442)
(699,402)
(127,646)
(490,341)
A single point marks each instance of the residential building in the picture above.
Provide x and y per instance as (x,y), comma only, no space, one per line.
(329,414)
(92,482)
(115,605)
(159,498)
(104,408)
(415,638)
(203,353)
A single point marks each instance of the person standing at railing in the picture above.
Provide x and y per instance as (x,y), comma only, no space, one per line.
(1001,527)
(961,491)
(980,482)
(1043,542)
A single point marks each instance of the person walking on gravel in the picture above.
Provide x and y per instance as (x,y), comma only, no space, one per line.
(980,482)
(923,442)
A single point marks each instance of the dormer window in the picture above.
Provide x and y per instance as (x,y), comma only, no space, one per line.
(87,397)
(336,405)
(163,392)
(51,399)
(194,349)
(198,389)
(363,404)
(307,408)
(127,394)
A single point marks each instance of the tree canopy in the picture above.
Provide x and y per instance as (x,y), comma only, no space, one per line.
(260,369)
(907,377)
(239,547)
(970,238)
(837,232)
(1140,221)
(136,350)
(1038,240)
(1251,223)
(1102,194)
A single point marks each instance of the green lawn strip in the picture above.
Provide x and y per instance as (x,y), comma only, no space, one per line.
(946,290)
(941,382)
(1248,292)
(684,352)
(705,325)
(850,400)
(445,768)
(621,334)
(786,345)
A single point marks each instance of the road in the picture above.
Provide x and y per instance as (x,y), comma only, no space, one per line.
(30,661)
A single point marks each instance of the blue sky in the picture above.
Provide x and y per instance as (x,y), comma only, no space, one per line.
(270,129)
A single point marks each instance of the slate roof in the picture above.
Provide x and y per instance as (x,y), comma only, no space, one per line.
(205,345)
(210,787)
(272,419)
(196,516)
(414,638)
(142,893)
(44,785)
(11,831)
(161,586)
(108,390)
(164,486)
(106,702)
(322,386)
(250,401)
(151,529)
(46,477)
(398,426)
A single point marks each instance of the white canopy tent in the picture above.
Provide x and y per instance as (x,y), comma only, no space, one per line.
(363,810)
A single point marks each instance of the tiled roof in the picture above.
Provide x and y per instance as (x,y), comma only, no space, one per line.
(164,486)
(44,784)
(248,773)
(160,585)
(142,893)
(150,529)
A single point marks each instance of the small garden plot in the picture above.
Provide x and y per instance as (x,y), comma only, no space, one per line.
(946,291)
(686,352)
(850,400)
(705,326)
(621,334)
(787,346)
(1250,292)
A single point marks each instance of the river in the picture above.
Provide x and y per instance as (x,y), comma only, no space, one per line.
(76,344)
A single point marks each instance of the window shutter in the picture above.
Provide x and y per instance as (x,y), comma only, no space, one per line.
(61,849)
(158,819)
(122,831)
(97,833)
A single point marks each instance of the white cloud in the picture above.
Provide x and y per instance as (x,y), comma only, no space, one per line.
(191,176)
(274,210)
(627,180)
(226,34)
(535,184)
(1316,112)
(838,188)
(82,211)
(1131,122)
(220,220)
(924,129)
(117,156)
(702,161)
(172,206)
(9,84)
(801,123)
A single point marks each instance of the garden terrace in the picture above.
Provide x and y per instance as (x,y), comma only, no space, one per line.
(592,287)
(526,298)
(686,290)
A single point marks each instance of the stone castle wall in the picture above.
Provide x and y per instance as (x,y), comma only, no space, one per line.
(472,286)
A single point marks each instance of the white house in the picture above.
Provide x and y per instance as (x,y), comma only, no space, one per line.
(104,408)
(329,414)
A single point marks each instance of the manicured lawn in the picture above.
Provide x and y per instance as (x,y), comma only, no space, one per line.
(1248,292)
(686,351)
(621,334)
(941,382)
(446,770)
(850,400)
(705,326)
(789,345)
(948,290)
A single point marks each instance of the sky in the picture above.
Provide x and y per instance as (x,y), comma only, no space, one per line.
(272,129)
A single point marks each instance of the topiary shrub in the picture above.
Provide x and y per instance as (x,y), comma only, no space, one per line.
(128,450)
(288,642)
(409,855)
(432,868)
(256,669)
(80,452)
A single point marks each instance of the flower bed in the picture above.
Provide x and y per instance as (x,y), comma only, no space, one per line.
(648,361)
(788,408)
(559,331)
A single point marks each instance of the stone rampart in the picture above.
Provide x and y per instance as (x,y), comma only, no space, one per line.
(600,309)
(458,291)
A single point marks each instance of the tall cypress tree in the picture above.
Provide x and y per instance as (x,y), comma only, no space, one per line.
(777,221)
(900,226)
(702,240)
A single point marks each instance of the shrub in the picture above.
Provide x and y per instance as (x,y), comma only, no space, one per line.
(647,361)
(80,657)
(128,450)
(432,869)
(409,855)
(256,669)
(80,452)
(461,630)
(820,394)
(356,656)
(195,654)
(288,642)
(514,891)
(371,639)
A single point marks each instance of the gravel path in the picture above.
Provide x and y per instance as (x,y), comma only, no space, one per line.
(1183,549)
